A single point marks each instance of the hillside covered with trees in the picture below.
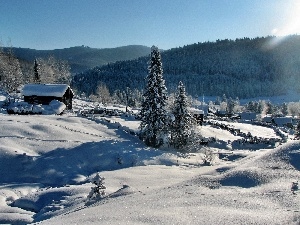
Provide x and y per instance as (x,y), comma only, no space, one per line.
(81,58)
(263,66)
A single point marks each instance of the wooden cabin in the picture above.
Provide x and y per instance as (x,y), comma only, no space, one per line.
(45,93)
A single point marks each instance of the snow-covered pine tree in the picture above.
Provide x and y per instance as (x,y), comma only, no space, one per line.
(98,190)
(284,109)
(230,105)
(154,117)
(37,77)
(183,121)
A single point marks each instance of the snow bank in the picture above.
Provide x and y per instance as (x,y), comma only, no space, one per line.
(24,108)
(57,106)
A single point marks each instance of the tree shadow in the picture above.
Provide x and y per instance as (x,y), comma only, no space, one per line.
(63,166)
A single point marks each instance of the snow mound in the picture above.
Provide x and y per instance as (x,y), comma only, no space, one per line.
(24,108)
(294,159)
(244,179)
(14,218)
(57,106)
(36,202)
(263,168)
(125,190)
(286,157)
(47,202)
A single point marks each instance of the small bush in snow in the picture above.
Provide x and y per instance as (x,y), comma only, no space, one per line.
(98,190)
(119,159)
(208,157)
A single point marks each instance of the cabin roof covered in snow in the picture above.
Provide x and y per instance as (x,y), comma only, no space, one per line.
(196,111)
(56,90)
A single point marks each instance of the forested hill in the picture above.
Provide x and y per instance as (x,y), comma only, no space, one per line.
(82,58)
(242,68)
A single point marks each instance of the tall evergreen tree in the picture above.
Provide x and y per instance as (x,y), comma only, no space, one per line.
(269,108)
(154,117)
(284,109)
(37,78)
(183,120)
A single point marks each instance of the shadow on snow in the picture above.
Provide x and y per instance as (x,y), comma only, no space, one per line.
(64,166)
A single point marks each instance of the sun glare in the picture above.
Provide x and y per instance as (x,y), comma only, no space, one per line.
(292,25)
(290,22)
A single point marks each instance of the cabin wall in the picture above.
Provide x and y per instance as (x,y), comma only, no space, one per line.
(44,100)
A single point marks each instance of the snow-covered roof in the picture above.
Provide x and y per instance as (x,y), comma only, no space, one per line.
(56,90)
(196,111)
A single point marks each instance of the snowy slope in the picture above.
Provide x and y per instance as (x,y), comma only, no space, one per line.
(228,194)
(47,161)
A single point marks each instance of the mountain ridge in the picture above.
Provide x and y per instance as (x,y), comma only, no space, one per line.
(83,57)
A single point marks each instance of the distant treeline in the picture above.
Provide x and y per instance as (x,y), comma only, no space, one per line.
(81,58)
(244,68)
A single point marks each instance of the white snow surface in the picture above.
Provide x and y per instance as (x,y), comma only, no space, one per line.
(48,161)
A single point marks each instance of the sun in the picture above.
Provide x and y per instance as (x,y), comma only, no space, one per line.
(290,20)
(274,31)
(288,23)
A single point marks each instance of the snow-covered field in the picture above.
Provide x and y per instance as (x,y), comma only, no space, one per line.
(47,162)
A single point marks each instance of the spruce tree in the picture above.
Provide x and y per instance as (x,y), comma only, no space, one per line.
(37,78)
(98,190)
(284,109)
(154,117)
(183,121)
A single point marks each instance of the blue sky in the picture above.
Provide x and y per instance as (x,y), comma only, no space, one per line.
(54,24)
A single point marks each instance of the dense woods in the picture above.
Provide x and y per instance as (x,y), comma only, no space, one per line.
(263,66)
